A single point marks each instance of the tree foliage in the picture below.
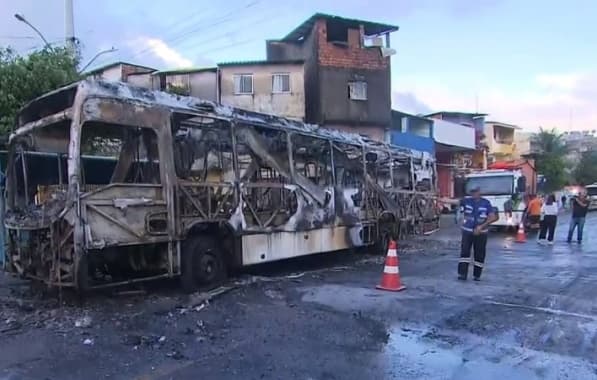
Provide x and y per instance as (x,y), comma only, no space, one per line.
(586,170)
(551,149)
(23,78)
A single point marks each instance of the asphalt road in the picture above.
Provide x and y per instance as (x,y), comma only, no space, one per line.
(533,316)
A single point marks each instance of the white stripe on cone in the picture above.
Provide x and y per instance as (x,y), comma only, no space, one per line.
(392,253)
(390,270)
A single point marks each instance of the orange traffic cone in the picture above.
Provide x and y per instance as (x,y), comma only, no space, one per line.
(521,236)
(390,280)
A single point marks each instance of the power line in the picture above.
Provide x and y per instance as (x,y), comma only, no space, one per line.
(206,40)
(223,19)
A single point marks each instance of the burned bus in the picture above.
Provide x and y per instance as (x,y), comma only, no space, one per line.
(109,184)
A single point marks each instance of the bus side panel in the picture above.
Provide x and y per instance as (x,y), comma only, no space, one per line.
(262,248)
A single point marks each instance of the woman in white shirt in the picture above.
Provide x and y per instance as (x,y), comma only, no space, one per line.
(549,211)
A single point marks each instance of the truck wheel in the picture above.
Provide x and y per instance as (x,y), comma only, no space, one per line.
(202,264)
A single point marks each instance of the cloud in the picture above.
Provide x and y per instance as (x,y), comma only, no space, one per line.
(161,50)
(558,81)
(562,100)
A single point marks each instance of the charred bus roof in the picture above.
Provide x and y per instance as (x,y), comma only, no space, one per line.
(58,103)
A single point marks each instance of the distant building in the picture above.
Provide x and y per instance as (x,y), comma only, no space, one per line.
(476,121)
(413,132)
(454,150)
(500,141)
(346,72)
(578,143)
(525,144)
(273,87)
(119,71)
(201,83)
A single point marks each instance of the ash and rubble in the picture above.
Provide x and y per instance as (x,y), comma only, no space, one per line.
(36,216)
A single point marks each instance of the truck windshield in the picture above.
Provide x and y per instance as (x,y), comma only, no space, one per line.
(591,190)
(495,185)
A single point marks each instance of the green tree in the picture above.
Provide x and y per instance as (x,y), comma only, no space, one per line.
(550,151)
(23,78)
(586,171)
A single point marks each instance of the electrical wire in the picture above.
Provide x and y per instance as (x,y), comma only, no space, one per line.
(221,20)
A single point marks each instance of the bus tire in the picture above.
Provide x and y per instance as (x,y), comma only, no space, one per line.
(203,265)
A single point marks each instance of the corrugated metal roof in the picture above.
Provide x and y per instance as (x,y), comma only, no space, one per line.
(371,28)
(110,65)
(186,71)
(263,62)
(456,113)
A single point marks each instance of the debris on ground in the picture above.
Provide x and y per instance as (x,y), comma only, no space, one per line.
(88,342)
(84,322)
(200,298)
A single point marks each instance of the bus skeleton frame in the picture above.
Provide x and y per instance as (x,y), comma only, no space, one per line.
(194,188)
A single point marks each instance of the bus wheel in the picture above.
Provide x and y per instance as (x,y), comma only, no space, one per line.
(202,264)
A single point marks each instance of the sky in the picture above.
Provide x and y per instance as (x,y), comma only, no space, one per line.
(532,63)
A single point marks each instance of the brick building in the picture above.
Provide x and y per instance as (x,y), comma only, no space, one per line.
(347,72)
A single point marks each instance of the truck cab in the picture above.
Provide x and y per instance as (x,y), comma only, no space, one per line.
(505,190)
(592,196)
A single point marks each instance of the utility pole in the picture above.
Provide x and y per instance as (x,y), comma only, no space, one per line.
(69,26)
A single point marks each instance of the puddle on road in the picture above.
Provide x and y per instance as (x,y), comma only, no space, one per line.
(409,354)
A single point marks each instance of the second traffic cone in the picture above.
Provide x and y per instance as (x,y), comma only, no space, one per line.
(521,236)
(390,280)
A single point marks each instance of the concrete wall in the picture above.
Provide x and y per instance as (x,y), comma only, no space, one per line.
(200,84)
(120,72)
(453,134)
(500,141)
(141,80)
(412,141)
(112,74)
(522,141)
(291,105)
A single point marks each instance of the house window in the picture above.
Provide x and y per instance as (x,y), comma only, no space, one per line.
(357,90)
(280,83)
(243,84)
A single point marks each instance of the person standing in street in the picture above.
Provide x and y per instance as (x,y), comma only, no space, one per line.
(549,211)
(478,214)
(580,206)
(564,201)
(534,212)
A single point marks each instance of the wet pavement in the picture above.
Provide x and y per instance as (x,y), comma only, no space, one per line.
(533,316)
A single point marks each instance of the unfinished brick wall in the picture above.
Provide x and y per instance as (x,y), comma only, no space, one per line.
(351,56)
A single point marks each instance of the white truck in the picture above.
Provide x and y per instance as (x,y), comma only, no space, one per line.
(504,189)
(592,196)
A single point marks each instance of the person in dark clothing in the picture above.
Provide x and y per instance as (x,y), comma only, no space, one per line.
(478,214)
(580,206)
(563,201)
(549,211)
